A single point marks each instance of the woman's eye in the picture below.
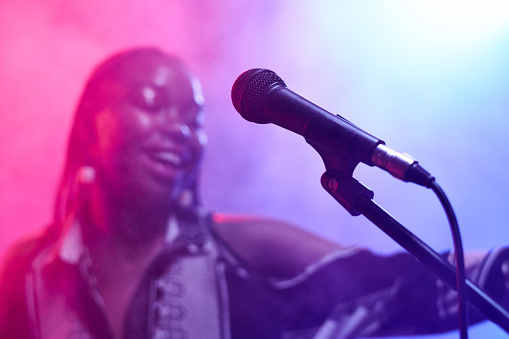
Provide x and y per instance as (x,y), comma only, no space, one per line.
(149,99)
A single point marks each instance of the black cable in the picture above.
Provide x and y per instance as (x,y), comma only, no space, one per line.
(420,176)
(458,258)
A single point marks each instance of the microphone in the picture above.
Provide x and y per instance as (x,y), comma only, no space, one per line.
(261,96)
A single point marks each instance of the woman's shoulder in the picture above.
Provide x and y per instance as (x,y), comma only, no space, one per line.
(271,246)
(20,254)
(15,264)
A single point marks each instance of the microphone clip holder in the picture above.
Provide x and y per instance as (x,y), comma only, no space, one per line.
(357,199)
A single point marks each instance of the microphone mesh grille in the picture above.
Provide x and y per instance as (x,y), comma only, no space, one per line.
(248,91)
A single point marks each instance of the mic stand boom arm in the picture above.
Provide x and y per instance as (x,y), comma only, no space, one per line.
(357,199)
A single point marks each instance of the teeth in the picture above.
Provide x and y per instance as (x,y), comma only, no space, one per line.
(169,157)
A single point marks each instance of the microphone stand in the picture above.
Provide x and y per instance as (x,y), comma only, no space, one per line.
(357,199)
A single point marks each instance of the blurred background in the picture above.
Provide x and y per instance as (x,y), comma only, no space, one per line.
(430,78)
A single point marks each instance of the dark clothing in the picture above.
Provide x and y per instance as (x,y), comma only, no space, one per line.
(48,293)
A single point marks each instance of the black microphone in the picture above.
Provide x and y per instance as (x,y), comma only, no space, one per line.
(261,96)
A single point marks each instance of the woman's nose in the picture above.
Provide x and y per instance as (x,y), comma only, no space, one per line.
(178,131)
(183,130)
(173,124)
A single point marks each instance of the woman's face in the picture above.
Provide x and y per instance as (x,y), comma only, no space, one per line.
(150,132)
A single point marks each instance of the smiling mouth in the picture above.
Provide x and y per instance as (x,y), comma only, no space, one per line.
(169,158)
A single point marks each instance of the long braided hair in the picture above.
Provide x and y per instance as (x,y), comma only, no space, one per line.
(71,194)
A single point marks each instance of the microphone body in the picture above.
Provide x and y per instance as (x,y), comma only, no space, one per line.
(261,96)
(319,127)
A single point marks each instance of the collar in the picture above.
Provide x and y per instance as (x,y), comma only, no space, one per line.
(192,232)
